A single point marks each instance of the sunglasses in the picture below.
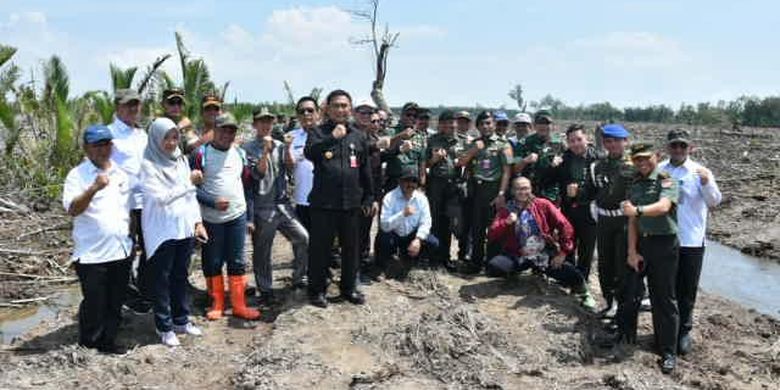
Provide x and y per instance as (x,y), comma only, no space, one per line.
(307,110)
(365,112)
(376,121)
(678,145)
(175,102)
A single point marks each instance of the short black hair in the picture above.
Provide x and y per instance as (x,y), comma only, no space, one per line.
(336,93)
(483,116)
(304,100)
(574,128)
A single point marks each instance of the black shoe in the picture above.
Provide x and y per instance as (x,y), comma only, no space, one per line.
(471,269)
(450,266)
(267,298)
(685,344)
(301,284)
(668,363)
(318,300)
(139,306)
(355,298)
(112,349)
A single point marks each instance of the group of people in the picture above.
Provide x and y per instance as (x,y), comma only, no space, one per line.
(511,191)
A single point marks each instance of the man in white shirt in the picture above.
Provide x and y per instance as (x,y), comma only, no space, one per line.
(128,152)
(96,194)
(303,169)
(404,223)
(698,192)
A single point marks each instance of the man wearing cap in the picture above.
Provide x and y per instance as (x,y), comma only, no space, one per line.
(407,148)
(464,134)
(463,126)
(441,189)
(367,121)
(173,102)
(522,126)
(223,196)
(698,193)
(270,161)
(211,107)
(653,245)
(488,161)
(96,194)
(341,194)
(127,152)
(608,182)
(502,125)
(539,157)
(577,158)
(405,223)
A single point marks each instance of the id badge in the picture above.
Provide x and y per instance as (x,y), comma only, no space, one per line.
(486,163)
(353,163)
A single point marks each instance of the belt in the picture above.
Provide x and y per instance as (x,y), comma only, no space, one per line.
(610,213)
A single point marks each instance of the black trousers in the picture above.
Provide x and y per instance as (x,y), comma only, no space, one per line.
(584,238)
(688,273)
(612,242)
(365,237)
(103,287)
(325,226)
(302,212)
(482,194)
(140,285)
(660,254)
(440,192)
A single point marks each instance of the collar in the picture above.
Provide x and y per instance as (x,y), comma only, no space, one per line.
(93,169)
(121,126)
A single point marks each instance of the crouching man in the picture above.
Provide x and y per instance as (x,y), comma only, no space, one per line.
(96,194)
(534,234)
(405,223)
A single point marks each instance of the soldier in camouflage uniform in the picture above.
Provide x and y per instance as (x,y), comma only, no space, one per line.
(441,158)
(488,163)
(407,147)
(608,182)
(539,156)
(460,222)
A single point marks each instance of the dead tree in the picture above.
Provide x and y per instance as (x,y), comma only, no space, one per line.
(380,45)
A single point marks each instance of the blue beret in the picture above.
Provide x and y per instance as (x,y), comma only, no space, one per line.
(615,131)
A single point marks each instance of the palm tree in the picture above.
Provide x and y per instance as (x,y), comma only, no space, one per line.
(122,78)
(56,89)
(8,78)
(196,79)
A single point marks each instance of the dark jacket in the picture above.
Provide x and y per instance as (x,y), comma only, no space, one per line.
(342,171)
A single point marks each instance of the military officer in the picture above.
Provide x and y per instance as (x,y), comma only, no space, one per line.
(653,244)
(441,158)
(538,157)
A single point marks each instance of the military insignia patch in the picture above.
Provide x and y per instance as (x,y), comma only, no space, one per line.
(328,155)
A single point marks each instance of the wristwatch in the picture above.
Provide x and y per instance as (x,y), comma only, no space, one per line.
(639,210)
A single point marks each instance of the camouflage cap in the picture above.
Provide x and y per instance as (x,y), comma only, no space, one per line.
(173,93)
(543,116)
(262,113)
(422,113)
(462,115)
(678,136)
(642,149)
(126,95)
(210,99)
(410,173)
(409,106)
(446,115)
(227,120)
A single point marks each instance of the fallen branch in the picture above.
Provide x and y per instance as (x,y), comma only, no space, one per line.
(58,226)
(29,300)
(29,276)
(28,252)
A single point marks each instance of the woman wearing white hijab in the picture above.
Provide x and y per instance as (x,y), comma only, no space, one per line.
(171,221)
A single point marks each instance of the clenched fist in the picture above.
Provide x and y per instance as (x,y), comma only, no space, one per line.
(101,181)
(196,177)
(339,131)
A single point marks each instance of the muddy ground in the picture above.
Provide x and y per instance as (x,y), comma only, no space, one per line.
(432,330)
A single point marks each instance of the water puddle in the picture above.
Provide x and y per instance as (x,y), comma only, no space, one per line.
(747,280)
(15,322)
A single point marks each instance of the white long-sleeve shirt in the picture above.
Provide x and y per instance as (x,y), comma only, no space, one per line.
(101,232)
(128,153)
(694,201)
(170,213)
(392,218)
(304,169)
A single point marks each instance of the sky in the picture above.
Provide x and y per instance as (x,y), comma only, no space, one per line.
(456,52)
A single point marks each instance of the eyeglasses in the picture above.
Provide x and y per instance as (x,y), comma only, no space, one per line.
(365,112)
(307,110)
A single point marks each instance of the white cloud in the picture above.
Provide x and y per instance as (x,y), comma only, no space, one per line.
(632,49)
(423,31)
